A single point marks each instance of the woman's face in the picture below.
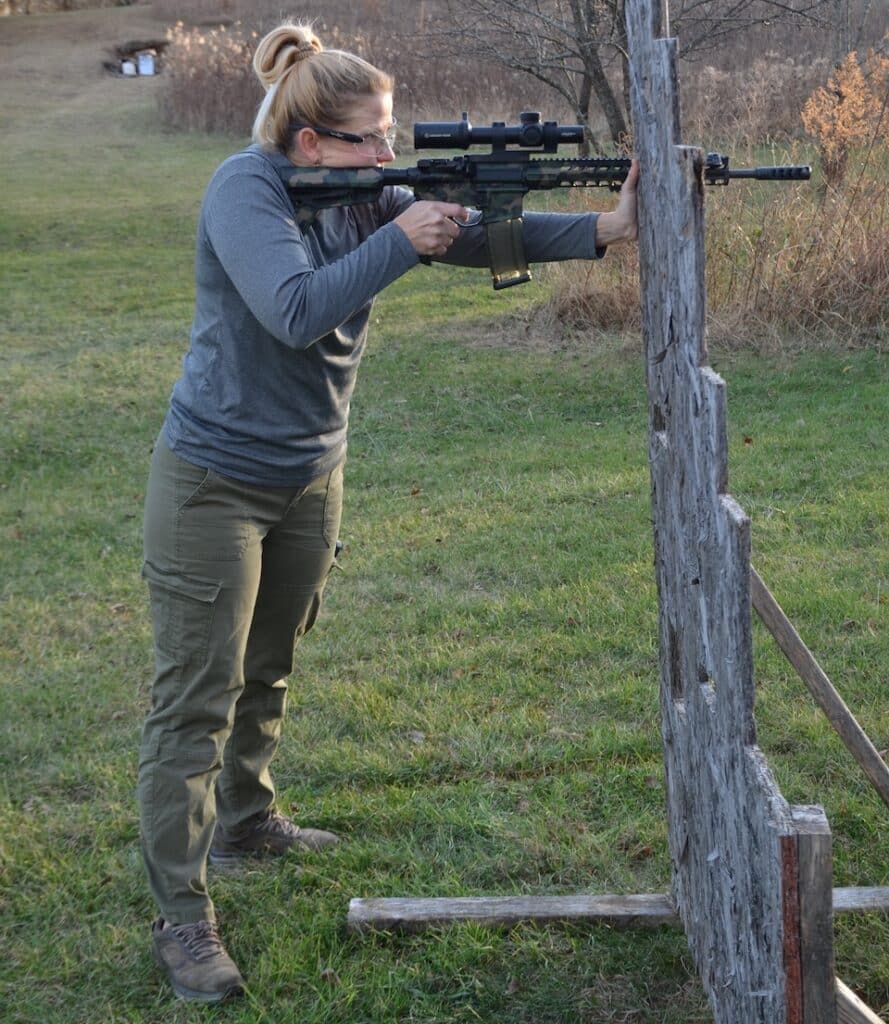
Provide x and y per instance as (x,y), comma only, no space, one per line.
(370,118)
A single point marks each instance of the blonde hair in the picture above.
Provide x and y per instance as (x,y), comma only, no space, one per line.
(306,84)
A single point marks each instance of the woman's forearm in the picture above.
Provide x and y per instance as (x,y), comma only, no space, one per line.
(614,227)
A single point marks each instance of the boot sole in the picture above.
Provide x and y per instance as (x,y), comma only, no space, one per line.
(190,995)
(235,861)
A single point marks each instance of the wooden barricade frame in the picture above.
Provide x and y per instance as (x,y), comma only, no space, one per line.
(751,875)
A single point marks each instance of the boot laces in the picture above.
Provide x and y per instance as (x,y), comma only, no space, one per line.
(278,824)
(200,939)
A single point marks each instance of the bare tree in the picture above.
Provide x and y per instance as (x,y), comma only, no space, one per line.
(569,45)
(704,25)
(578,47)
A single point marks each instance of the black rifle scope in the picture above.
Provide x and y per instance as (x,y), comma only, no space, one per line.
(530,133)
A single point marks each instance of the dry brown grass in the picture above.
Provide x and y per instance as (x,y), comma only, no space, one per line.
(208,83)
(751,105)
(787,266)
(208,63)
(815,264)
(52,67)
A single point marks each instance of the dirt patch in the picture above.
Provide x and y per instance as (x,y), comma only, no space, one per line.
(52,61)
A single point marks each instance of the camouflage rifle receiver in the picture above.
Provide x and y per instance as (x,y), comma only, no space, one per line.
(494,183)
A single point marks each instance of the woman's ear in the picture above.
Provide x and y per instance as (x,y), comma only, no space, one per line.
(306,148)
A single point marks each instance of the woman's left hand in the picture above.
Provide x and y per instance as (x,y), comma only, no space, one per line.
(621,223)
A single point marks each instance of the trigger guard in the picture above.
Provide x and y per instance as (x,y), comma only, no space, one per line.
(473,220)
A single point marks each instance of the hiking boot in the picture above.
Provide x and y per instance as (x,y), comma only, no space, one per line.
(270,834)
(195,961)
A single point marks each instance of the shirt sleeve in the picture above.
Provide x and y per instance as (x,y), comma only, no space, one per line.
(547,238)
(250,227)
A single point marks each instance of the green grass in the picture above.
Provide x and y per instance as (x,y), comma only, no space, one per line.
(476,711)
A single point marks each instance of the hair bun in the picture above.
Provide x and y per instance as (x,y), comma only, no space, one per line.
(281,49)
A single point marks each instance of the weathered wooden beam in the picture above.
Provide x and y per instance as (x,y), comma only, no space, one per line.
(503,911)
(851,1010)
(645,909)
(821,688)
(860,899)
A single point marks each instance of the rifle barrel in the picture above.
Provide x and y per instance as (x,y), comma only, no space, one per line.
(786,173)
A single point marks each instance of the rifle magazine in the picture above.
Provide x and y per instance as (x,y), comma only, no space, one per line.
(506,253)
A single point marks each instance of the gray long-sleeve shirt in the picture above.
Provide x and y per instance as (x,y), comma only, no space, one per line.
(281,318)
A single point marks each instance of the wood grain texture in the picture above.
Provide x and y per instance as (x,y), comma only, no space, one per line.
(391,914)
(815,860)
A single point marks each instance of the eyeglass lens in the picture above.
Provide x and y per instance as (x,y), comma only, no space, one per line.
(375,142)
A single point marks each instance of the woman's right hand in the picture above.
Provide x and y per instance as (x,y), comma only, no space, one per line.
(431,227)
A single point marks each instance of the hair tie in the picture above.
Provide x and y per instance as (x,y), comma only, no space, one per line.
(304,50)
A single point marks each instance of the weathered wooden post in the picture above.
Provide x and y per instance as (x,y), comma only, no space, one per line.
(751,875)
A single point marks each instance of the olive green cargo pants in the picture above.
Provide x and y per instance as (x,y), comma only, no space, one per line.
(235,575)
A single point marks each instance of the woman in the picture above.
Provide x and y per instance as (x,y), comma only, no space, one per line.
(244,494)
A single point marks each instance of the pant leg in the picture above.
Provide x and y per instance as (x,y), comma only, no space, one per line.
(203,559)
(297,554)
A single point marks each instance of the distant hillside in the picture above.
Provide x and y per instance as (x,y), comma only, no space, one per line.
(8,7)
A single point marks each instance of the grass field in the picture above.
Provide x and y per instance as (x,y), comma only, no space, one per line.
(476,711)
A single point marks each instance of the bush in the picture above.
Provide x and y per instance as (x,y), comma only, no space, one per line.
(848,111)
(208,83)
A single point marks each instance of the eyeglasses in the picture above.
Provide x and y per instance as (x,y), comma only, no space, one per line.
(372,144)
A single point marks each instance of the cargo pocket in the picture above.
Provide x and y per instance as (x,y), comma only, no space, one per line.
(182,609)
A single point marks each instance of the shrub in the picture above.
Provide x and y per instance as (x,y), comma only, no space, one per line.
(208,82)
(848,111)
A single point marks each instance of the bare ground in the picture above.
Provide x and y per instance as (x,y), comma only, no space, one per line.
(52,72)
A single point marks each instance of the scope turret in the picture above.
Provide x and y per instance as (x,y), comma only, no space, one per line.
(530,133)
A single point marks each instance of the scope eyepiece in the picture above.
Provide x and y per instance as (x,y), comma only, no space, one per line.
(530,133)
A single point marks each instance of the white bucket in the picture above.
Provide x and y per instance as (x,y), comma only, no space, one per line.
(127,67)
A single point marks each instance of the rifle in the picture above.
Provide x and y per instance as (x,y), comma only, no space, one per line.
(494,183)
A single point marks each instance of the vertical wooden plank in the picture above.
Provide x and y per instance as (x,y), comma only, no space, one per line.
(793,966)
(816,915)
